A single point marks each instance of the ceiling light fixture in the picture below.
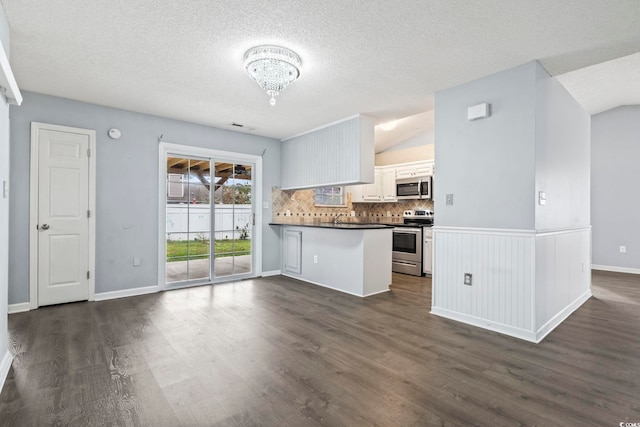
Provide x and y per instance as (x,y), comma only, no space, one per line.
(389,125)
(272,67)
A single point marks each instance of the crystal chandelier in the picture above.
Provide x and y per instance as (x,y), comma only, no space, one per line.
(273,68)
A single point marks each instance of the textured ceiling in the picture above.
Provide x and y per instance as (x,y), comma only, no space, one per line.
(606,85)
(385,58)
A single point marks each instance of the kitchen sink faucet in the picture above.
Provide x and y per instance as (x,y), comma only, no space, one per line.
(336,220)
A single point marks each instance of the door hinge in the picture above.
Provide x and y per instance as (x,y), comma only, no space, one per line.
(88,275)
(88,213)
(88,152)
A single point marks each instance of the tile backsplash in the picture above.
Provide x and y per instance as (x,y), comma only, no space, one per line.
(301,204)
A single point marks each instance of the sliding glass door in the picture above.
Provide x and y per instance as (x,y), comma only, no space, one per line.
(234,218)
(206,240)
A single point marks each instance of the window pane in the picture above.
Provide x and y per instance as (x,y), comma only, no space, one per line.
(330,196)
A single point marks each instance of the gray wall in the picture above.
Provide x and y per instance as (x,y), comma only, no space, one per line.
(615,174)
(126,221)
(563,152)
(536,139)
(489,164)
(4,203)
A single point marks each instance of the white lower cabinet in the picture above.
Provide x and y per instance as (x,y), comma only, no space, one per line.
(292,248)
(354,260)
(427,251)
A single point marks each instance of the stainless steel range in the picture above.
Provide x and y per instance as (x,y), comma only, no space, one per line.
(407,242)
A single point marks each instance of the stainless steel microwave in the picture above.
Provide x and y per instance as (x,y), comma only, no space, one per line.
(413,188)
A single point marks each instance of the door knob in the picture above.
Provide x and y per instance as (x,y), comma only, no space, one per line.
(44,226)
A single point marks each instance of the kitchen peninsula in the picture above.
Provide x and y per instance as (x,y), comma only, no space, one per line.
(349,257)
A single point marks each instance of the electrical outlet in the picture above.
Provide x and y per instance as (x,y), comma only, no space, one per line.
(315,259)
(265,205)
(5,189)
(288,213)
(353,213)
(623,249)
(449,199)
(468,279)
(136,261)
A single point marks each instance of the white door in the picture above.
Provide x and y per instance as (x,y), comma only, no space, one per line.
(63,216)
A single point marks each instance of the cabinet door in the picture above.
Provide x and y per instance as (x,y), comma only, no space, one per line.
(373,192)
(415,170)
(426,255)
(425,169)
(356,193)
(404,172)
(292,248)
(389,185)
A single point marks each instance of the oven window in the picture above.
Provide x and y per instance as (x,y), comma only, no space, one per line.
(404,242)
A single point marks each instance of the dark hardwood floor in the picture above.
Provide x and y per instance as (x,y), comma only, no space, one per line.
(278,352)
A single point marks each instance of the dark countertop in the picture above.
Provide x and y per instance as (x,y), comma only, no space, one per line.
(400,224)
(341,226)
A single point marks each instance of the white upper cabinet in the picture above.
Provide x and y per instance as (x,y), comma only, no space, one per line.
(413,170)
(383,189)
(338,154)
(389,185)
(372,192)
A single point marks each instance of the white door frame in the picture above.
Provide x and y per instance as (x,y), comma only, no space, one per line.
(33,207)
(189,150)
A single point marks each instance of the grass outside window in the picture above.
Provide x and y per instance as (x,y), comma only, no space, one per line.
(180,250)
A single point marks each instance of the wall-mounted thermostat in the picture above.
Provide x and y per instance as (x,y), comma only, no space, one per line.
(479,111)
(114,133)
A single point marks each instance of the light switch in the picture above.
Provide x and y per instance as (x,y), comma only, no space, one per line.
(542,198)
(449,199)
(265,205)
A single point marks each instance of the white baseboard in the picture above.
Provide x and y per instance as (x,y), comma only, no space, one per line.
(615,269)
(512,331)
(19,308)
(556,320)
(376,293)
(102,296)
(5,365)
(331,287)
(271,273)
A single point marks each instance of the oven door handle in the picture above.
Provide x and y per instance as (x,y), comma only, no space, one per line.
(409,264)
(405,231)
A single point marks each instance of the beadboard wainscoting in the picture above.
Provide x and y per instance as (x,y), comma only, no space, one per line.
(524,283)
